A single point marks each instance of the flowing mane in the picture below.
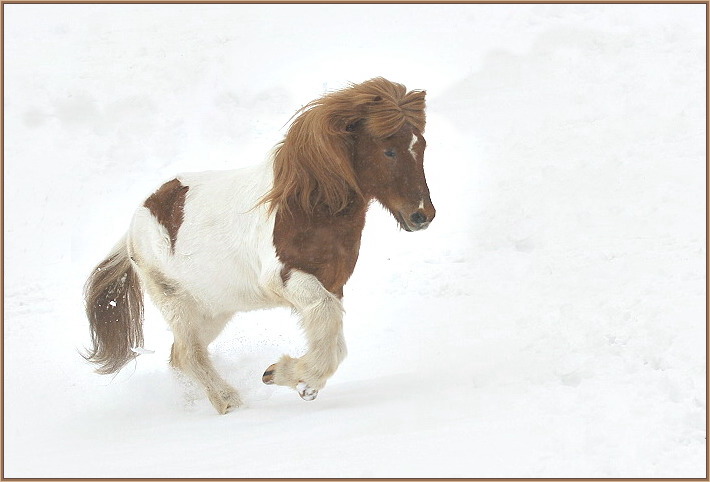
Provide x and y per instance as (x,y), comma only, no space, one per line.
(312,164)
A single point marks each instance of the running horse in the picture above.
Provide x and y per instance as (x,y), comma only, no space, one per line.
(286,233)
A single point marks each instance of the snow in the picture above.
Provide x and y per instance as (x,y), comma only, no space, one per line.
(141,351)
(549,323)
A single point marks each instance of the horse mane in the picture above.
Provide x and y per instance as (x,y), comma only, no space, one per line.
(313,165)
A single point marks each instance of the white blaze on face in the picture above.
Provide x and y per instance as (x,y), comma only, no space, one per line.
(415,139)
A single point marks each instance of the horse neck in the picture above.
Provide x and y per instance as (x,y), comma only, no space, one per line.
(320,242)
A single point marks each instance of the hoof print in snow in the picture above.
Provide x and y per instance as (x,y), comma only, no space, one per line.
(268,376)
(307,393)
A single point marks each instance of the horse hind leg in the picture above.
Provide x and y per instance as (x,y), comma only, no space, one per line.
(190,356)
(193,330)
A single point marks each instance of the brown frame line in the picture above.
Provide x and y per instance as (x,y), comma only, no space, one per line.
(356,2)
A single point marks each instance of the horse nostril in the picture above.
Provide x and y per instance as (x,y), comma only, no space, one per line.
(418,218)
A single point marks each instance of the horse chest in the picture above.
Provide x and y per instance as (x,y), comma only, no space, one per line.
(326,247)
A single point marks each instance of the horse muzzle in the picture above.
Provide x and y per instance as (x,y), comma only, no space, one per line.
(419,220)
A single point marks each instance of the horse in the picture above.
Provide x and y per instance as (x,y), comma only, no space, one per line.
(283,233)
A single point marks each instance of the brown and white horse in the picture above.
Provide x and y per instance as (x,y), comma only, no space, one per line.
(285,233)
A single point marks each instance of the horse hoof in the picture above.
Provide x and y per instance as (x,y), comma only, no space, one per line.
(307,393)
(268,376)
(225,401)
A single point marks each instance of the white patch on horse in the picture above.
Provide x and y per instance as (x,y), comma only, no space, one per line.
(307,393)
(421,204)
(415,139)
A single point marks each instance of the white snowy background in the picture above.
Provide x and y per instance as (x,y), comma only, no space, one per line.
(550,323)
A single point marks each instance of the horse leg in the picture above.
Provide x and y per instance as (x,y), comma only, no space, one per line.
(193,329)
(322,320)
(193,332)
(189,354)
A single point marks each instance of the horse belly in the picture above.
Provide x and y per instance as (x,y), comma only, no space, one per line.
(227,285)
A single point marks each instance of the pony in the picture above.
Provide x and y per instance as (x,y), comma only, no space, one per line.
(284,233)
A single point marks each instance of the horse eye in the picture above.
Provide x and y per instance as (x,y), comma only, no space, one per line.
(390,153)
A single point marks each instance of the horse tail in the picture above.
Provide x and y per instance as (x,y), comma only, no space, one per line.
(113,300)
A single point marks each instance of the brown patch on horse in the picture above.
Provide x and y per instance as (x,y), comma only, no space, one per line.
(319,243)
(167,204)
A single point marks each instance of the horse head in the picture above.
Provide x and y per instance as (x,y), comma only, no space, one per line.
(363,142)
(391,170)
(388,153)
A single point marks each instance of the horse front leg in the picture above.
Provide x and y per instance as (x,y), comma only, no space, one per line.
(322,320)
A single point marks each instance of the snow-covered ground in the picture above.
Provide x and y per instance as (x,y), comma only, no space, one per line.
(550,323)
